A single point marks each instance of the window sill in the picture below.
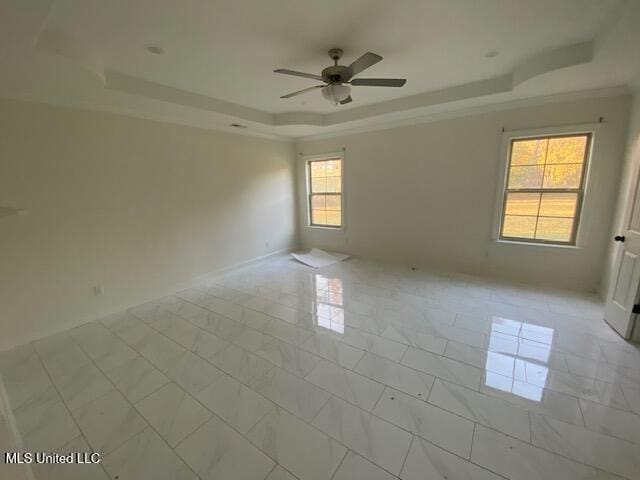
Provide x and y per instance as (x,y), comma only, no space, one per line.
(537,244)
(321,227)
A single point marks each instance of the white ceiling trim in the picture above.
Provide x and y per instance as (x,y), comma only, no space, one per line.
(156,91)
(553,60)
(545,62)
(60,44)
(222,126)
(475,110)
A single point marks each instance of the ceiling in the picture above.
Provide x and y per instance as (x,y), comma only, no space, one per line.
(219,56)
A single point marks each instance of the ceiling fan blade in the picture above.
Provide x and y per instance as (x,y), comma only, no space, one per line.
(289,95)
(362,63)
(298,74)
(378,82)
(346,100)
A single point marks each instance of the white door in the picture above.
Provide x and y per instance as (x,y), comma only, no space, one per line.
(625,282)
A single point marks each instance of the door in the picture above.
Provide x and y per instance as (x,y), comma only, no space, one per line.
(625,282)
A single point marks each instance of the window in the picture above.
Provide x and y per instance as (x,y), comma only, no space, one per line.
(544,188)
(325,192)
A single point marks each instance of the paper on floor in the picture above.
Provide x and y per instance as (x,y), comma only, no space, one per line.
(317,258)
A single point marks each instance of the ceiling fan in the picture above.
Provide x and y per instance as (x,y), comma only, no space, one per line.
(338,79)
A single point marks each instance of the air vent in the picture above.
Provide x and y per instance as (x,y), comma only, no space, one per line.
(9,211)
(154,49)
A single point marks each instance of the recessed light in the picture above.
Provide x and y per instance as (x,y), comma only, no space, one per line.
(492,53)
(154,49)
(237,125)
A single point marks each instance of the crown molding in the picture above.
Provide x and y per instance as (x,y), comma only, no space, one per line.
(153,117)
(389,124)
(156,91)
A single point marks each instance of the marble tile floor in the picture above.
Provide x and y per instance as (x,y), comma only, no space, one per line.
(354,371)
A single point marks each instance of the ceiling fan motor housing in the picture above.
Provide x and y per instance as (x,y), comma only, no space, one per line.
(338,79)
(335,74)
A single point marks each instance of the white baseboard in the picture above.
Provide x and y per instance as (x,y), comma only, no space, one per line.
(216,273)
(198,280)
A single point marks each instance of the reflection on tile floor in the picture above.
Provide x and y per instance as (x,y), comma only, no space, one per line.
(357,370)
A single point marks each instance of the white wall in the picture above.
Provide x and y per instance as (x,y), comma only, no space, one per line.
(138,206)
(425,194)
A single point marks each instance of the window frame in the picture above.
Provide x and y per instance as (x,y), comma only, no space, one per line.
(552,132)
(308,160)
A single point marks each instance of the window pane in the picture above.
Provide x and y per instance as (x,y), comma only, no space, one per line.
(518,227)
(318,202)
(557,229)
(522,204)
(333,184)
(325,180)
(525,177)
(333,168)
(528,152)
(562,176)
(318,217)
(567,149)
(318,185)
(318,169)
(333,202)
(540,165)
(558,204)
(338,167)
(334,218)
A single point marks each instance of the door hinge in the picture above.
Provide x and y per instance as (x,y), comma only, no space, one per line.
(636,308)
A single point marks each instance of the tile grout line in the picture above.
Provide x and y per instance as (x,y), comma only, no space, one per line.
(277,318)
(314,367)
(132,405)
(384,389)
(544,449)
(473,435)
(492,429)
(247,327)
(322,408)
(277,406)
(406,455)
(303,378)
(271,471)
(73,419)
(331,395)
(584,422)
(335,472)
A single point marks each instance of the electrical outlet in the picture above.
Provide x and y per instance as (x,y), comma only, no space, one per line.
(98,290)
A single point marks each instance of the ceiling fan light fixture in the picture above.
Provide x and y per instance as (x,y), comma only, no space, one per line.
(338,79)
(336,93)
